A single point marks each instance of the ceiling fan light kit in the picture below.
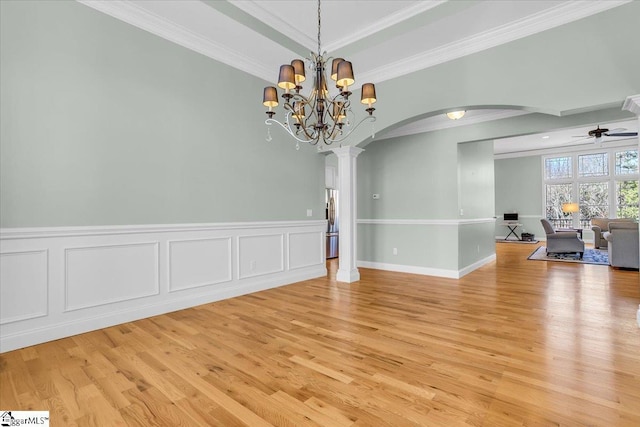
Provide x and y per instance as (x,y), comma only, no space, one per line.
(319,118)
(598,133)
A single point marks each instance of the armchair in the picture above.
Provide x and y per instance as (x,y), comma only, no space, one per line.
(562,241)
(601,225)
(623,244)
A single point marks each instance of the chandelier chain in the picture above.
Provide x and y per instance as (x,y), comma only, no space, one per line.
(319,28)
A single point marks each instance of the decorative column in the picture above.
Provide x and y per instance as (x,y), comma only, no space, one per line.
(347,208)
(632,103)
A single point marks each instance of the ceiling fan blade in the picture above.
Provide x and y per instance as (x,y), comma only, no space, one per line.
(622,134)
(616,130)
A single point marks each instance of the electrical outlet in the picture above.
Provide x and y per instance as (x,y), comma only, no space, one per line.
(252,265)
(395,251)
(461,212)
(309,212)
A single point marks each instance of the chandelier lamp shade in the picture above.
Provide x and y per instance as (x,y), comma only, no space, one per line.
(321,115)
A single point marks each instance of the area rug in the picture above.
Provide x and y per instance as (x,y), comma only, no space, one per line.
(591,256)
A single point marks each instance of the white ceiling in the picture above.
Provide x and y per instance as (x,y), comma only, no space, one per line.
(384,39)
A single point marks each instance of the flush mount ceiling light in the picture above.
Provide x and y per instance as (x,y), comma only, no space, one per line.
(319,118)
(455,115)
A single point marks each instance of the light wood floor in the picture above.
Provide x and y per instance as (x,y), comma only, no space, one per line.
(516,342)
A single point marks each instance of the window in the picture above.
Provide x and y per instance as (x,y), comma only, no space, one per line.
(558,168)
(604,184)
(627,199)
(627,162)
(593,199)
(593,165)
(556,196)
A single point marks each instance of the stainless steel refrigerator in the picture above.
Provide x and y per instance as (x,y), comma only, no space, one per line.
(333,223)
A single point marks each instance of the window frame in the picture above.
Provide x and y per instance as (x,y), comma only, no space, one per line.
(575,180)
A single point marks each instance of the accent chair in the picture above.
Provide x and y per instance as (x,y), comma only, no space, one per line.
(601,225)
(562,242)
(623,244)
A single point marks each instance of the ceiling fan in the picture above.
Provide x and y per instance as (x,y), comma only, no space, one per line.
(599,133)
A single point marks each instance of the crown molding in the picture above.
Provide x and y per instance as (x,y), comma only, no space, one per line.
(139,17)
(632,103)
(561,14)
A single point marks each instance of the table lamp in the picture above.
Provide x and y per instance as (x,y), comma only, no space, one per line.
(570,207)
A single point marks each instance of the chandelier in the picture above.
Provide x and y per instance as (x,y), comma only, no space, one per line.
(318,118)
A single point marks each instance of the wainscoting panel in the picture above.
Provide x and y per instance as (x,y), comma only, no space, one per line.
(100,275)
(62,281)
(260,255)
(199,262)
(300,253)
(23,285)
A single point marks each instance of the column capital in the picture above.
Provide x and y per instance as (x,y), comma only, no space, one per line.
(348,151)
(632,103)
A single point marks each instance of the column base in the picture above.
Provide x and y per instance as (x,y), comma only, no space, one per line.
(348,276)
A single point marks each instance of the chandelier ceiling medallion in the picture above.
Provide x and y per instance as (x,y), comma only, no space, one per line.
(318,118)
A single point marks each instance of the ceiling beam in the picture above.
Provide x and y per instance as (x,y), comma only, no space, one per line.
(243,18)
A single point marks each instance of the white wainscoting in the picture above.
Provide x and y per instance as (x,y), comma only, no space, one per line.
(61,281)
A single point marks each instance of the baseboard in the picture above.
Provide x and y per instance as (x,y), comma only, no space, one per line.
(427,271)
(413,269)
(476,265)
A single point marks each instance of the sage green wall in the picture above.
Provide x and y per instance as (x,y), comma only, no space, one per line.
(425,246)
(415,176)
(518,188)
(476,195)
(106,124)
(476,242)
(428,177)
(476,179)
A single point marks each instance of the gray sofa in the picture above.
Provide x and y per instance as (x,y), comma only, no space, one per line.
(622,239)
(601,225)
(559,242)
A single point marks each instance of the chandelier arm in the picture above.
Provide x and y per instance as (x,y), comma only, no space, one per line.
(364,119)
(313,139)
(286,128)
